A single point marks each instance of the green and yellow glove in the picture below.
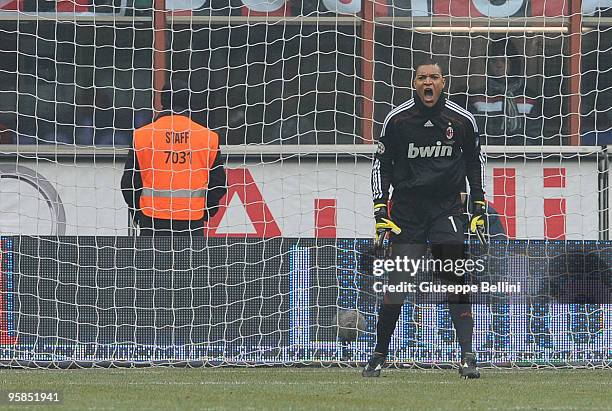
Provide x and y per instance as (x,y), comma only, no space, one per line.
(383,223)
(478,223)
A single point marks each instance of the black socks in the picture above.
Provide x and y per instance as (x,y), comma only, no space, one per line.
(387,319)
(461,314)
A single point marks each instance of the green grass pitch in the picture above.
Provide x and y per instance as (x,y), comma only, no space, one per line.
(312,389)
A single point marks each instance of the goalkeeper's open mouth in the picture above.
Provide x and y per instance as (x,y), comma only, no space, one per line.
(428,92)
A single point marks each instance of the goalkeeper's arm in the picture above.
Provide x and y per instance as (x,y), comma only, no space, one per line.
(382,172)
(382,167)
(475,173)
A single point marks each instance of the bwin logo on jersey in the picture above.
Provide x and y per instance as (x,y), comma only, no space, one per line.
(430,151)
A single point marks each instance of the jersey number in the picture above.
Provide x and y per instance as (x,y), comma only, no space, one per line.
(177,157)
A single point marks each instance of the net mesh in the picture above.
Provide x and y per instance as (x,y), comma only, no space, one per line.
(297,92)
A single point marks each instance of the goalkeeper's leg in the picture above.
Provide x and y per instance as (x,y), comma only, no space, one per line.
(460,310)
(447,236)
(461,314)
(391,308)
(387,319)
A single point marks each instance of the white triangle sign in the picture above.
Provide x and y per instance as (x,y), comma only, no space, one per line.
(235,219)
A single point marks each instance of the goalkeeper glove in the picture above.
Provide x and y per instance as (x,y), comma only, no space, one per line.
(478,223)
(383,223)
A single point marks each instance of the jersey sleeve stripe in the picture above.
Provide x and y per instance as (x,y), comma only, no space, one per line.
(458,109)
(376,179)
(404,106)
(482,172)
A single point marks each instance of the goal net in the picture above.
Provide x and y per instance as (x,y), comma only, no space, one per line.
(298,92)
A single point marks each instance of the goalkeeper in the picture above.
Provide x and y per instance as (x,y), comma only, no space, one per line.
(428,146)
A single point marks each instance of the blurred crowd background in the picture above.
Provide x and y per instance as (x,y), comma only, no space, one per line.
(90,83)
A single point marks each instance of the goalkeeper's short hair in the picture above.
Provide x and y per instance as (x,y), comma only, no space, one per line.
(429,61)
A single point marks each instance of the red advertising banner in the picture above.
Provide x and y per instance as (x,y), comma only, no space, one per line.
(11,5)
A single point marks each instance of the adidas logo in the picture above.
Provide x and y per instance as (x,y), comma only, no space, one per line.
(428,124)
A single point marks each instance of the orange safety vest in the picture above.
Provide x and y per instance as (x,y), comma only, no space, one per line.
(175,155)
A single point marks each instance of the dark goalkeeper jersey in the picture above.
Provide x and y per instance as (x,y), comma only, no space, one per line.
(427,152)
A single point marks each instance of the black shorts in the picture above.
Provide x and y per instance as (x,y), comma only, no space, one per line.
(433,220)
(439,223)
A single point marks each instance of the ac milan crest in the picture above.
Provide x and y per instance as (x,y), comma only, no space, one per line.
(450,133)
